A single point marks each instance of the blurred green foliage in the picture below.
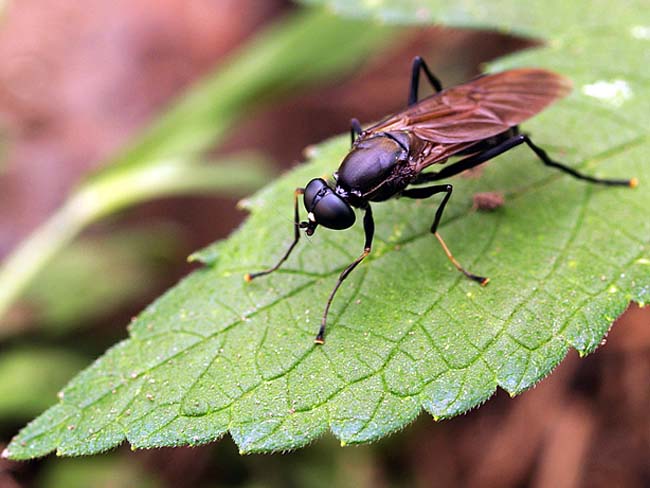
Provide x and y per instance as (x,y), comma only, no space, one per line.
(95,276)
(31,376)
(110,471)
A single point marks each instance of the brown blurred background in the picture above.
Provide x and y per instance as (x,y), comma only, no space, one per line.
(77,81)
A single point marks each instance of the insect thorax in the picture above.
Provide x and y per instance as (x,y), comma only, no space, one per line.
(376,168)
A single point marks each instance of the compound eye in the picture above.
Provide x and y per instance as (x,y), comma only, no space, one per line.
(333,212)
(314,191)
(326,208)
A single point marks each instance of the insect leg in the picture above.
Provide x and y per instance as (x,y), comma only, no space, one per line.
(296,237)
(369,230)
(506,145)
(419,64)
(355,129)
(541,154)
(426,193)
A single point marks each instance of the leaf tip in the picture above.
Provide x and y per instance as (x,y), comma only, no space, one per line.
(6,454)
(343,443)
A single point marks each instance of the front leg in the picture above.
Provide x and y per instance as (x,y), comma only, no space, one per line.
(426,193)
(369,230)
(296,237)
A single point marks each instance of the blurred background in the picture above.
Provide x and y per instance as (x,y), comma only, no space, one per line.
(85,96)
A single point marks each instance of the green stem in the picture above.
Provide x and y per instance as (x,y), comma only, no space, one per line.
(103,196)
(32,255)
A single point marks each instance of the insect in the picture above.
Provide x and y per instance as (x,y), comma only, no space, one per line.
(475,121)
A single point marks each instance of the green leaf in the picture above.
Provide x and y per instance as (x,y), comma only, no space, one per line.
(407,332)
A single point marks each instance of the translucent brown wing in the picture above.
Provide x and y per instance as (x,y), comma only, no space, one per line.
(457,117)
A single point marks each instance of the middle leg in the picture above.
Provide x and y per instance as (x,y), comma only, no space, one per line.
(426,192)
